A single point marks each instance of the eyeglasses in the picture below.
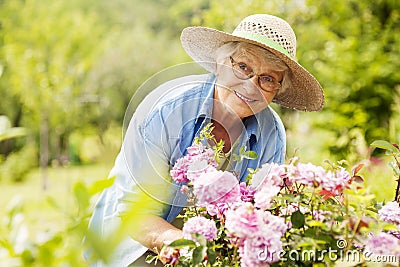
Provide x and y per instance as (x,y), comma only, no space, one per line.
(244,72)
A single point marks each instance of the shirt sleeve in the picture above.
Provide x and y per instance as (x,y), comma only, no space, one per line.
(142,168)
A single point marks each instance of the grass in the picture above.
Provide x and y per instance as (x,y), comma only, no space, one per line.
(39,214)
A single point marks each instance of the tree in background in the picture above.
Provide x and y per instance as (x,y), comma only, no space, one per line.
(358,66)
(46,54)
(72,66)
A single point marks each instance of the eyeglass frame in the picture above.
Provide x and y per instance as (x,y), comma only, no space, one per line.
(252,74)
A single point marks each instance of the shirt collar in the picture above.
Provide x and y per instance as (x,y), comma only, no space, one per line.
(252,126)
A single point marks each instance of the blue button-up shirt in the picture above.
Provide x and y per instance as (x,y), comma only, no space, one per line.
(160,130)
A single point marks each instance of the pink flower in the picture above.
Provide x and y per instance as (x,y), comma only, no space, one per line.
(263,248)
(246,192)
(178,172)
(270,173)
(336,181)
(199,159)
(199,225)
(309,174)
(382,244)
(198,152)
(316,176)
(273,223)
(244,221)
(291,208)
(197,168)
(217,209)
(260,251)
(197,149)
(263,197)
(390,213)
(321,215)
(216,187)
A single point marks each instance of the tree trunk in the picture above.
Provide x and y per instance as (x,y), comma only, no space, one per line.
(44,149)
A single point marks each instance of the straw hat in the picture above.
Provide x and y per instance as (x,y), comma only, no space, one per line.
(271,33)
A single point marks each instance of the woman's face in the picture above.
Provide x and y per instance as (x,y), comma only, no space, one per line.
(244,97)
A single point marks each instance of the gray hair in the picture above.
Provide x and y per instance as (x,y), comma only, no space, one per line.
(230,48)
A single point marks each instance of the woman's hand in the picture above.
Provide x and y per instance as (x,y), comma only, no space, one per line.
(155,232)
(169,255)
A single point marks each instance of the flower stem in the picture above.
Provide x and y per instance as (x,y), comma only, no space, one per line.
(397,198)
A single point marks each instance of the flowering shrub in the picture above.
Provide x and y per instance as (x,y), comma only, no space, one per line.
(294,214)
(200,225)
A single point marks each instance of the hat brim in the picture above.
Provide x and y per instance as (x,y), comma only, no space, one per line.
(305,94)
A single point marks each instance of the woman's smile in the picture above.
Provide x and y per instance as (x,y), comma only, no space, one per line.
(245,99)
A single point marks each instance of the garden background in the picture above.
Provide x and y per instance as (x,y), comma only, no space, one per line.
(68,70)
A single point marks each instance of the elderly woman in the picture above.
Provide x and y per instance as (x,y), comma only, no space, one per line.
(250,68)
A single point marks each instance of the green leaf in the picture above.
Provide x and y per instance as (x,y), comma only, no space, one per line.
(198,255)
(100,185)
(211,256)
(390,227)
(150,258)
(100,247)
(6,244)
(81,194)
(385,145)
(316,224)
(180,243)
(53,202)
(290,197)
(395,168)
(297,219)
(201,239)
(251,155)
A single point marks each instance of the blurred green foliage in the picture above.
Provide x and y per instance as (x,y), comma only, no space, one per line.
(357,66)
(66,66)
(52,247)
(7,132)
(18,164)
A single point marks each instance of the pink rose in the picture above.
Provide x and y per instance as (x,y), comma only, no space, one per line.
(216,187)
(200,225)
